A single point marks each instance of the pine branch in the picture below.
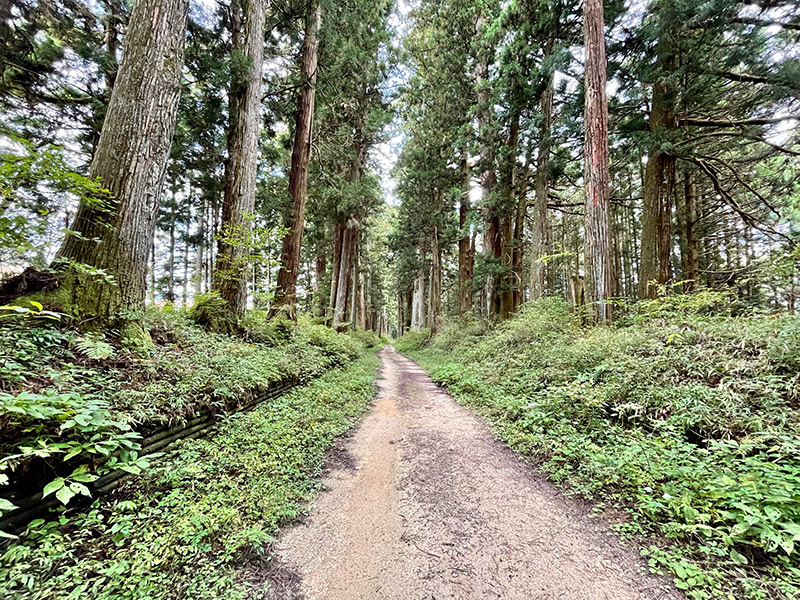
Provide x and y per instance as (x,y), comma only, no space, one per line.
(734,123)
(793,25)
(713,176)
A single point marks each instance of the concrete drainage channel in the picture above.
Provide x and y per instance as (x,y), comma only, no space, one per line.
(34,506)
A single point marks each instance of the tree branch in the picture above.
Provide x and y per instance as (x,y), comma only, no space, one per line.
(737,123)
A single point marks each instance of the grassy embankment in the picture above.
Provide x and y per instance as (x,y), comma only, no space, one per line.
(196,522)
(686,419)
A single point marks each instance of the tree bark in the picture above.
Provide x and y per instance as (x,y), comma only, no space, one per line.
(199,262)
(507,242)
(171,258)
(690,215)
(286,293)
(130,161)
(230,277)
(320,267)
(466,254)
(185,287)
(597,259)
(355,277)
(434,316)
(541,189)
(659,181)
(517,251)
(340,312)
(418,308)
(338,235)
(492,241)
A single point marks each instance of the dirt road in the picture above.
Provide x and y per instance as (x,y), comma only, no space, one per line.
(422,503)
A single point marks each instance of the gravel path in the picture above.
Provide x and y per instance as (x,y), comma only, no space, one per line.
(423,503)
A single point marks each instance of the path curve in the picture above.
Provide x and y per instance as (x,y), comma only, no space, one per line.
(423,503)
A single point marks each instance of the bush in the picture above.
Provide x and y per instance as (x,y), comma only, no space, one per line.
(368,338)
(70,399)
(413,340)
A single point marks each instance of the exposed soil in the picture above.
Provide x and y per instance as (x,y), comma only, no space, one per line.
(428,505)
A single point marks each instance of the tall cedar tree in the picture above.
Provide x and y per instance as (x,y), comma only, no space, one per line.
(230,276)
(131,159)
(597,251)
(286,293)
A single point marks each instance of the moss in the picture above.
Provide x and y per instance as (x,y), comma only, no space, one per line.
(213,314)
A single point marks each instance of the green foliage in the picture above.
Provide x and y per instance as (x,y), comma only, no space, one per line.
(70,399)
(669,304)
(94,346)
(413,340)
(31,179)
(368,338)
(686,418)
(193,525)
(212,312)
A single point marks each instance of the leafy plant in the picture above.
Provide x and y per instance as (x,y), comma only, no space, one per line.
(94,346)
(686,418)
(193,523)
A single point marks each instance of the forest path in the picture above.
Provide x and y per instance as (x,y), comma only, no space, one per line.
(423,503)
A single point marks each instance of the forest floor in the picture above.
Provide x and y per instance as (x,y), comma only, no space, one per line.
(423,502)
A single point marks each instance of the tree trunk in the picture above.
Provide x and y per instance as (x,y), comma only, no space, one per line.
(340,312)
(320,267)
(230,277)
(659,182)
(355,277)
(492,241)
(286,293)
(362,300)
(542,187)
(466,254)
(617,238)
(418,308)
(690,215)
(130,161)
(152,286)
(338,235)
(506,240)
(597,261)
(171,257)
(517,251)
(401,315)
(185,288)
(434,317)
(199,262)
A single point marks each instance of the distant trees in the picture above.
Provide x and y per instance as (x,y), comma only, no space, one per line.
(514,177)
(681,169)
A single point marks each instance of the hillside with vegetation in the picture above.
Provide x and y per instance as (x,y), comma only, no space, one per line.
(680,423)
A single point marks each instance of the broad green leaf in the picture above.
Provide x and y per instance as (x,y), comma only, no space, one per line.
(79,488)
(64,495)
(738,558)
(53,486)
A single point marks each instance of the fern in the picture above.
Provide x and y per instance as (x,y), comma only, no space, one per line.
(94,346)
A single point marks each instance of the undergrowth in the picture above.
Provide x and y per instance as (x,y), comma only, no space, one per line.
(73,405)
(198,524)
(685,418)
